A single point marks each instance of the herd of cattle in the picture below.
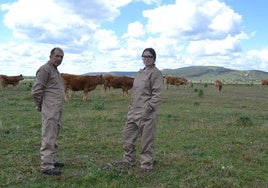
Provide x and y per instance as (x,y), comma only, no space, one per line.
(83,83)
(88,83)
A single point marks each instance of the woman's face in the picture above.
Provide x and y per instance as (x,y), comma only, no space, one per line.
(148,59)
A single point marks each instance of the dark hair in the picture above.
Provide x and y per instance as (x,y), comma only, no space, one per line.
(53,50)
(152,51)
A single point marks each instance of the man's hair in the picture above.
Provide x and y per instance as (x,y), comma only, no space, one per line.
(53,50)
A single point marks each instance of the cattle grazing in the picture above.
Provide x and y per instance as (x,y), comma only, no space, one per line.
(218,85)
(175,81)
(1,83)
(81,83)
(264,82)
(9,80)
(116,82)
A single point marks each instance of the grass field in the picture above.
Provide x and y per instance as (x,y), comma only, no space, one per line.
(204,138)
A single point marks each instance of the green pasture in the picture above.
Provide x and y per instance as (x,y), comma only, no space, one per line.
(204,138)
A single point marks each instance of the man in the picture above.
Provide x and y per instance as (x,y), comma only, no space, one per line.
(48,94)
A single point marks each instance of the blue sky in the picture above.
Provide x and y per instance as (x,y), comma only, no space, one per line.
(105,35)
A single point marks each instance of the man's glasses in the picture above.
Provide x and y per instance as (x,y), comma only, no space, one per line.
(147,57)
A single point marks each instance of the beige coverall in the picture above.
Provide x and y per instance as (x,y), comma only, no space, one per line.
(141,118)
(48,94)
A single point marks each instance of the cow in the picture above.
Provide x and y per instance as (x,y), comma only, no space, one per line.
(264,82)
(176,81)
(81,83)
(116,82)
(218,85)
(1,83)
(10,80)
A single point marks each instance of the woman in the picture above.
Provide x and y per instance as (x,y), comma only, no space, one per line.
(141,118)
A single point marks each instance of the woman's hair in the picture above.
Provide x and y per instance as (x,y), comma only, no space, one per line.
(152,51)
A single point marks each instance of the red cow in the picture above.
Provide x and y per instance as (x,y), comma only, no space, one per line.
(10,80)
(264,82)
(81,82)
(218,85)
(176,81)
(123,82)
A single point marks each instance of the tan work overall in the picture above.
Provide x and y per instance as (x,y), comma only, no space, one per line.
(48,94)
(141,118)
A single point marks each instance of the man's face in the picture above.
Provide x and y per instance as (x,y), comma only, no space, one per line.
(56,57)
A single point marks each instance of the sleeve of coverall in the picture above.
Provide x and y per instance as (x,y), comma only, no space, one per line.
(39,86)
(157,85)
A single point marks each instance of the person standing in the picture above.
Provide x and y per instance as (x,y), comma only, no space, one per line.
(141,118)
(48,95)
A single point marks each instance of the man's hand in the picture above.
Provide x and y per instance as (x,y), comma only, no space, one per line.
(38,109)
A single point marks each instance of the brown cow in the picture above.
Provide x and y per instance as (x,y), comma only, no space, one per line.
(218,85)
(123,82)
(264,82)
(9,80)
(81,82)
(176,81)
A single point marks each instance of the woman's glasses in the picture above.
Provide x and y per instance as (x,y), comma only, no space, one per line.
(147,57)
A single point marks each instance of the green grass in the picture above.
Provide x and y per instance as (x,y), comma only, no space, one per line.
(218,139)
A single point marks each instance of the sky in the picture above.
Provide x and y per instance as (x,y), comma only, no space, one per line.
(110,35)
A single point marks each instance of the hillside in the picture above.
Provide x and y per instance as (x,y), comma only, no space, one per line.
(211,73)
(207,74)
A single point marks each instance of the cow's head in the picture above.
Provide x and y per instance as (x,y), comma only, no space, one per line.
(101,79)
(21,77)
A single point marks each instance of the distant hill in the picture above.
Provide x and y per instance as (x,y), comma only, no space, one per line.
(211,73)
(206,74)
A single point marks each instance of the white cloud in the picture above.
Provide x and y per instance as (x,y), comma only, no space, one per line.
(188,32)
(150,2)
(259,57)
(107,40)
(48,21)
(194,20)
(135,29)
(214,47)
